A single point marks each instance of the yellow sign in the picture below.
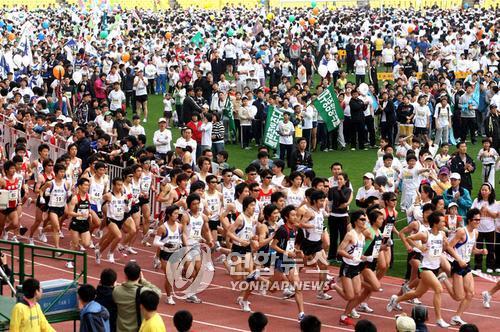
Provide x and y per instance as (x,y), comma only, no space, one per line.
(385,76)
(419,75)
(342,53)
(462,74)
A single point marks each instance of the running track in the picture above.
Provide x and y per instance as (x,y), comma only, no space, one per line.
(219,311)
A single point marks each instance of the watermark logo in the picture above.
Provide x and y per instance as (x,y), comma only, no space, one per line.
(186,270)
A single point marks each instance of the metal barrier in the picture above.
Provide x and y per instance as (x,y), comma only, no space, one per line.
(8,138)
(10,135)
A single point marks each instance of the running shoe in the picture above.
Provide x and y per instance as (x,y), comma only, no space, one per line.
(14,239)
(245,306)
(220,259)
(363,307)
(405,288)
(288,293)
(392,303)
(253,276)
(156,263)
(354,314)
(97,256)
(131,250)
(301,316)
(497,270)
(346,320)
(323,296)
(442,323)
(415,301)
(486,299)
(111,258)
(457,321)
(170,300)
(194,299)
(490,271)
(442,276)
(42,237)
(398,307)
(69,265)
(31,241)
(61,235)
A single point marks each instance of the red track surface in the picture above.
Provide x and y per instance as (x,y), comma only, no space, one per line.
(219,312)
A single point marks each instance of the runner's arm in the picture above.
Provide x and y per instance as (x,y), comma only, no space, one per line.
(341,251)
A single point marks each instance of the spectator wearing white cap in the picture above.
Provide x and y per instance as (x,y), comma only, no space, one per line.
(405,324)
(366,190)
(464,165)
(458,194)
(162,138)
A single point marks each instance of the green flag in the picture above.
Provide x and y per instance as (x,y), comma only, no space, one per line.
(198,39)
(271,134)
(228,112)
(328,107)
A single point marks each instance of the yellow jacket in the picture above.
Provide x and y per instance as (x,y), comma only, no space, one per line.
(28,317)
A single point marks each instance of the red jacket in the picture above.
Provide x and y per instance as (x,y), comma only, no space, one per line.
(195,128)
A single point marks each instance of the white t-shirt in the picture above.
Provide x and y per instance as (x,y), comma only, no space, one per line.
(286,133)
(364,193)
(422,113)
(360,67)
(487,224)
(388,55)
(161,140)
(116,99)
(141,87)
(137,130)
(442,114)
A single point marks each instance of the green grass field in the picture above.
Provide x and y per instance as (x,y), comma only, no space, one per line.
(355,163)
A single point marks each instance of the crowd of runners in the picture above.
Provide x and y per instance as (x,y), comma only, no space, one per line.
(75,83)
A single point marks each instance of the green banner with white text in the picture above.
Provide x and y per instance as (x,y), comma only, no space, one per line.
(328,106)
(271,135)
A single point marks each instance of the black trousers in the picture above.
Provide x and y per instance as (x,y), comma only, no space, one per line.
(360,79)
(286,149)
(388,131)
(468,125)
(338,228)
(306,133)
(246,132)
(488,237)
(497,250)
(370,130)
(257,130)
(357,133)
(151,86)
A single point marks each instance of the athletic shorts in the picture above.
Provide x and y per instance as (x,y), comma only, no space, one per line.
(421,269)
(165,256)
(143,201)
(8,211)
(284,265)
(230,61)
(420,131)
(213,224)
(59,211)
(415,255)
(141,99)
(41,206)
(310,248)
(349,271)
(299,237)
(378,53)
(118,223)
(369,265)
(80,226)
(315,124)
(168,114)
(135,208)
(456,269)
(240,250)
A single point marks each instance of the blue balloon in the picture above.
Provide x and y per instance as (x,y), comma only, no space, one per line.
(45,25)
(41,36)
(263,2)
(2,24)
(9,27)
(466,5)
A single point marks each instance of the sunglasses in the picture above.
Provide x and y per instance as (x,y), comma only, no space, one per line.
(214,182)
(256,190)
(269,177)
(394,200)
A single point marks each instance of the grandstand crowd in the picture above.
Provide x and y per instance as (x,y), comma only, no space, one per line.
(419,87)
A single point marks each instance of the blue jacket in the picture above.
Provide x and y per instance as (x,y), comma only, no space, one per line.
(464,202)
(94,318)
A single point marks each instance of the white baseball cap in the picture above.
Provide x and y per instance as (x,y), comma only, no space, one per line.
(455,176)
